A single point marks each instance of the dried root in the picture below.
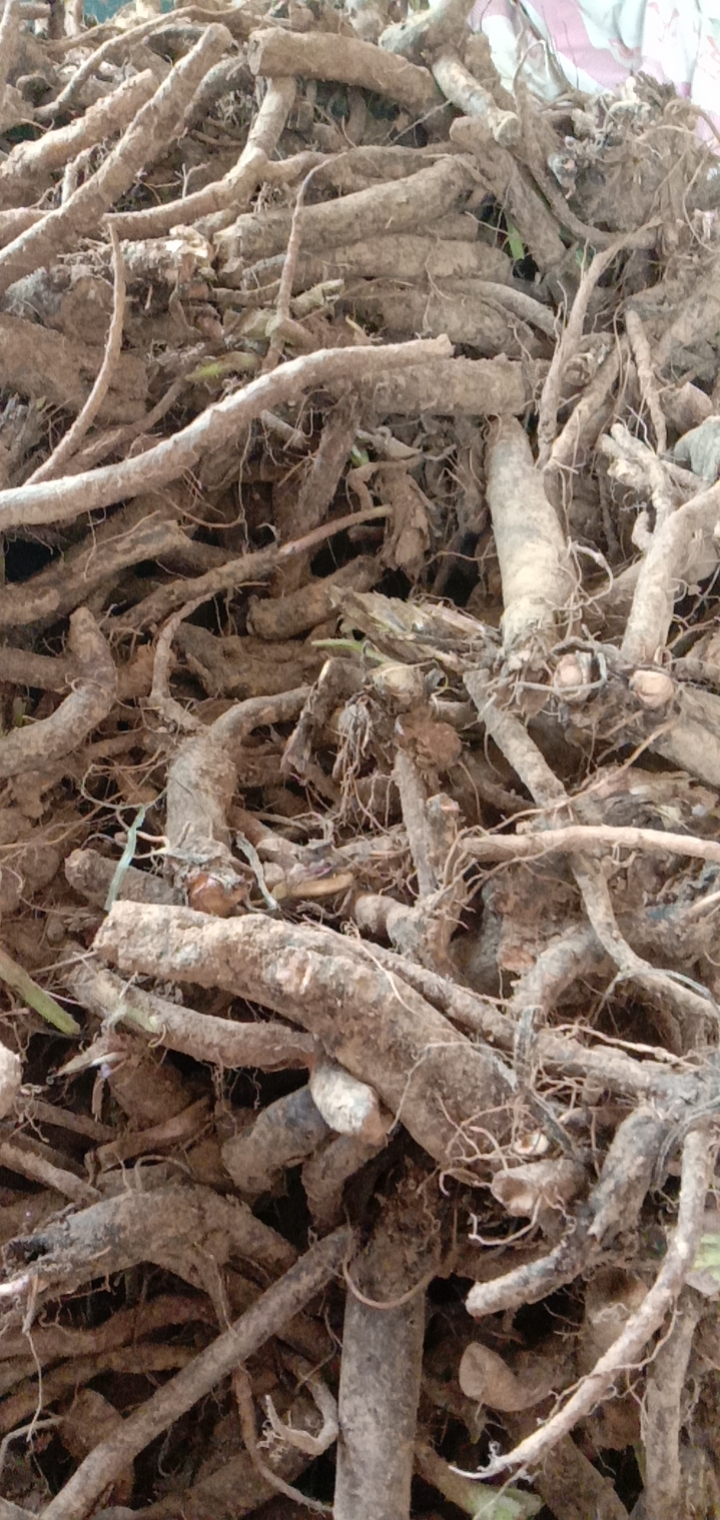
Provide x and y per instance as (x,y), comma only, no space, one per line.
(359,761)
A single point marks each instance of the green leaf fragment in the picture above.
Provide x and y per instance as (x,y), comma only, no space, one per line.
(515,244)
(708,1256)
(15,977)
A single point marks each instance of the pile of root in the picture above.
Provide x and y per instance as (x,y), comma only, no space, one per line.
(359,771)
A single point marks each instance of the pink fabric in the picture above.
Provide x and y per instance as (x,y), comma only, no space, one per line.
(565,29)
(600,44)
